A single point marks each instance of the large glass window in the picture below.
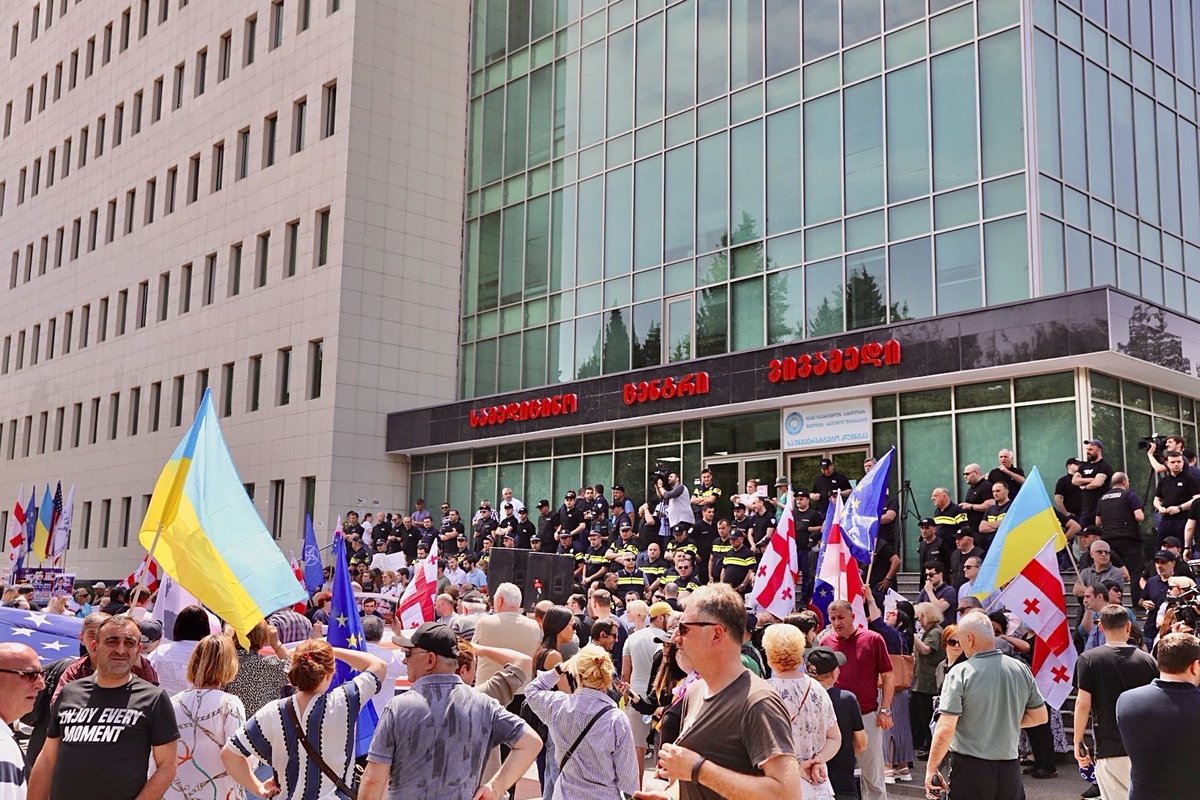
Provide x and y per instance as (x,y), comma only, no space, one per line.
(620,82)
(783,171)
(681,56)
(959,273)
(783,35)
(907,133)
(866,289)
(822,159)
(864,145)
(648,212)
(680,196)
(785,306)
(649,88)
(1001,113)
(823,293)
(952,77)
(712,176)
(713,42)
(618,222)
(910,266)
(746,182)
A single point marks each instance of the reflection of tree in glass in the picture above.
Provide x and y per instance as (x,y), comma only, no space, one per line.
(712,320)
(647,349)
(616,343)
(1149,340)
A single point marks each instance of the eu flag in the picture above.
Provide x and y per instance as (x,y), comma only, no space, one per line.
(860,516)
(52,636)
(31,514)
(314,573)
(345,630)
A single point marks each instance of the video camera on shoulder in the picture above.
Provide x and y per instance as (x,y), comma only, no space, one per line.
(1186,607)
(1157,439)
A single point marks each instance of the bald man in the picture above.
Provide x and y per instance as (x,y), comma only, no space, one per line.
(20,681)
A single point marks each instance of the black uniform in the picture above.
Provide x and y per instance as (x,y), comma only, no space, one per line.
(737,565)
(524,532)
(720,549)
(981,494)
(1072,495)
(1119,527)
(1175,490)
(825,485)
(805,520)
(998,476)
(1090,497)
(759,525)
(936,551)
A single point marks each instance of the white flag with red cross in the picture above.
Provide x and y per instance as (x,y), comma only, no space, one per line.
(775,582)
(1035,596)
(416,604)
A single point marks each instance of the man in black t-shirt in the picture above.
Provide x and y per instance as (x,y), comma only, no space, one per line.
(824,664)
(570,518)
(381,531)
(737,568)
(762,525)
(1006,472)
(1068,496)
(1092,479)
(1173,499)
(740,520)
(808,522)
(932,547)
(351,527)
(524,528)
(484,525)
(103,726)
(704,533)
(884,566)
(978,497)
(828,482)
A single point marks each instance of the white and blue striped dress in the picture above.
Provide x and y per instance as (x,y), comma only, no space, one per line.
(329,723)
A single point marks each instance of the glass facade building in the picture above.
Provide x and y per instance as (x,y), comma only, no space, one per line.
(656,183)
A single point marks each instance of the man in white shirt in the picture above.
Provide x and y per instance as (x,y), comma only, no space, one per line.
(170,659)
(636,662)
(373,632)
(506,495)
(20,681)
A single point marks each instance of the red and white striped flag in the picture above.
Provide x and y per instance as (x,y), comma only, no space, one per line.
(416,604)
(1035,596)
(151,581)
(837,576)
(775,583)
(16,537)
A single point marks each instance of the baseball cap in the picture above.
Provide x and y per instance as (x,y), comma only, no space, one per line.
(680,527)
(1090,530)
(462,536)
(825,462)
(507,505)
(736,532)
(435,637)
(152,630)
(523,510)
(1096,442)
(570,495)
(595,532)
(1073,460)
(740,505)
(472,596)
(625,526)
(926,522)
(510,535)
(618,487)
(564,533)
(782,481)
(1165,555)
(543,504)
(659,609)
(99,585)
(1171,541)
(535,538)
(964,531)
(824,660)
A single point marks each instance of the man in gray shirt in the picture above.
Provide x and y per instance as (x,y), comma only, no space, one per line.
(432,741)
(679,504)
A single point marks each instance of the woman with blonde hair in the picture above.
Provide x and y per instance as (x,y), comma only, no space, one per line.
(310,733)
(816,736)
(592,738)
(207,717)
(927,652)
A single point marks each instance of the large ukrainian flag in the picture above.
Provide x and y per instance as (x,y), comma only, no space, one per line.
(213,542)
(1024,531)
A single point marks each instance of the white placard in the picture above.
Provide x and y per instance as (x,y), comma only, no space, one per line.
(827,425)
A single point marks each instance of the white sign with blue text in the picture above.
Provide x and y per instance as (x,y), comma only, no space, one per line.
(827,425)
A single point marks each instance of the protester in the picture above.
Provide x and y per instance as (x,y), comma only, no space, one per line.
(1102,675)
(954,655)
(206,717)
(739,741)
(592,735)
(85,666)
(927,653)
(260,678)
(558,628)
(1157,723)
(372,627)
(636,665)
(272,733)
(171,660)
(105,727)
(505,683)
(433,740)
(21,680)
(816,737)
(983,706)
(507,628)
(824,665)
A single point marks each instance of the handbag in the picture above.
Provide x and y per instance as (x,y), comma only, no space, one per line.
(902,670)
(314,755)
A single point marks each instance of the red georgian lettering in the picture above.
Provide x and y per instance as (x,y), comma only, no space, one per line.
(556,406)
(851,358)
(872,354)
(570,403)
(891,352)
(804,366)
(701,383)
(474,419)
(629,394)
(790,368)
(835,361)
(669,388)
(687,385)
(820,364)
(514,411)
(774,370)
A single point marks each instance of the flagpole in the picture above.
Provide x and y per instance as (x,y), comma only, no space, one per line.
(142,576)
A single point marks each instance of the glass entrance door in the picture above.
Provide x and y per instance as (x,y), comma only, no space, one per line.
(803,468)
(732,474)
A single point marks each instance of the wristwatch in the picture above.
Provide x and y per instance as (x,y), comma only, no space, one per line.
(887,712)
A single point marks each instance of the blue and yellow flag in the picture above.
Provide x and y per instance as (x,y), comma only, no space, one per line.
(213,542)
(1024,531)
(44,526)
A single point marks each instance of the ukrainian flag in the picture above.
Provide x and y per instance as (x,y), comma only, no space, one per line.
(212,541)
(44,526)
(1024,531)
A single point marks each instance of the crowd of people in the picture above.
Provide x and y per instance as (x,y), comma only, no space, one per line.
(655,652)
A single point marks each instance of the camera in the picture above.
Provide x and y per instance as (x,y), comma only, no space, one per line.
(1157,439)
(660,473)
(1187,608)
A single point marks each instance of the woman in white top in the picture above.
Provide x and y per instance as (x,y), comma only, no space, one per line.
(327,721)
(207,717)
(816,737)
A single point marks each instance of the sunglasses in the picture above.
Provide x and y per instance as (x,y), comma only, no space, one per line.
(952,642)
(31,675)
(931,574)
(686,627)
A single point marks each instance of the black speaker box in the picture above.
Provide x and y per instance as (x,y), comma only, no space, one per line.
(557,576)
(507,565)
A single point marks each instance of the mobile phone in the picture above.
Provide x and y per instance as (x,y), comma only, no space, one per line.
(939,787)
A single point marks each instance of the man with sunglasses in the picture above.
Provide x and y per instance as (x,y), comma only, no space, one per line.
(104,725)
(21,680)
(736,738)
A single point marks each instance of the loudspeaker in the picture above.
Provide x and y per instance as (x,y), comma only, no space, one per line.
(556,573)
(508,565)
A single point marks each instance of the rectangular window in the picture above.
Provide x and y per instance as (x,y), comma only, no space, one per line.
(169,199)
(303,15)
(235,270)
(135,407)
(210,278)
(87,524)
(130,203)
(93,228)
(276,25)
(143,305)
(101,122)
(37,16)
(163,10)
(43,429)
(283,376)
(218,166)
(66,168)
(43,254)
(144,19)
(60,414)
(28,438)
(110,228)
(73,71)
(224,55)
(29,103)
(35,345)
(270,125)
(3,186)
(105,519)
(193,187)
(177,401)
(151,199)
(164,295)
(12,438)
(16,35)
(299,111)
(8,112)
(277,509)
(291,239)
(254,383)
(37,177)
(249,487)
(7,354)
(201,70)
(51,165)
(68,331)
(185,288)
(21,177)
(243,154)
(114,414)
(58,74)
(89,59)
(263,256)
(201,385)
(126,513)
(156,100)
(248,40)
(328,109)
(135,124)
(106,44)
(76,424)
(177,97)
(308,489)
(51,335)
(316,364)
(59,241)
(122,310)
(226,390)
(102,326)
(42,88)
(125,26)
(155,404)
(85,322)
(94,429)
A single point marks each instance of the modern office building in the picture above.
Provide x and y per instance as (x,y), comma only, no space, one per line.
(262,198)
(749,235)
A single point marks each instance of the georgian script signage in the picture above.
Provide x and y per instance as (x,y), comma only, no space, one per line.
(693,383)
(832,362)
(552,406)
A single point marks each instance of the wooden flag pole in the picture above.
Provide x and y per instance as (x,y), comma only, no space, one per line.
(142,576)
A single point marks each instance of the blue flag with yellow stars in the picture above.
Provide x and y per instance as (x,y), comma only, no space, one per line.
(345,630)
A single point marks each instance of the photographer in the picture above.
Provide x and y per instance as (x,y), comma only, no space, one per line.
(1177,491)
(674,494)
(1155,444)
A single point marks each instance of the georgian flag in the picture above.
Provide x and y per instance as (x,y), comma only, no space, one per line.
(16,539)
(775,582)
(838,577)
(1035,596)
(416,604)
(148,567)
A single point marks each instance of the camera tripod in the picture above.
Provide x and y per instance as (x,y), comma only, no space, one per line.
(908,507)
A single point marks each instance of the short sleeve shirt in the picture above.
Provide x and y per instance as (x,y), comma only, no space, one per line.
(104,733)
(741,727)
(989,694)
(866,659)
(1106,673)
